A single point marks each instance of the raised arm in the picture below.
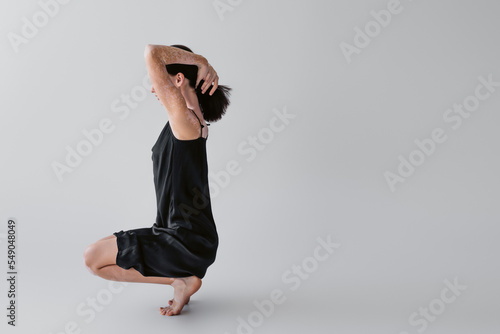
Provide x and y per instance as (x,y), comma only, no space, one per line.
(165,55)
(157,57)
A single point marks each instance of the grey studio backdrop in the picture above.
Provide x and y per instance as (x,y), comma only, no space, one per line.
(354,179)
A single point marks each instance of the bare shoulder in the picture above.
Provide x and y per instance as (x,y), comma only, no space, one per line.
(186,126)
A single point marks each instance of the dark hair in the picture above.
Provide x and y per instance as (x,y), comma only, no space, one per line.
(213,107)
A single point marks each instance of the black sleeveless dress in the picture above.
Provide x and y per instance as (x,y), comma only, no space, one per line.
(183,241)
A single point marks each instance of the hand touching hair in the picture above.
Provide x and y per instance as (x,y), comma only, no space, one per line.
(214,104)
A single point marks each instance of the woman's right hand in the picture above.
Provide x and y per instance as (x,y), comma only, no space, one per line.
(207,73)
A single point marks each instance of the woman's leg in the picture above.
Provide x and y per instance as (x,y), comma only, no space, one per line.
(100,258)
(108,237)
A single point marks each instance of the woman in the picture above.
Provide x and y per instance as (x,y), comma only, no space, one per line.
(182,243)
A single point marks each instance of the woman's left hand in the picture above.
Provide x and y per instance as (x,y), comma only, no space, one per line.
(209,76)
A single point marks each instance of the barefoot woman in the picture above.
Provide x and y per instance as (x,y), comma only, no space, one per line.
(182,243)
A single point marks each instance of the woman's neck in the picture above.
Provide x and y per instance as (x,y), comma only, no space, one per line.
(191,98)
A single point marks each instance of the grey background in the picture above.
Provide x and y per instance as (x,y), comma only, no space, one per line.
(322,175)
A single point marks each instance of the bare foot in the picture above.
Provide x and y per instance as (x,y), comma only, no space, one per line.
(172,300)
(184,288)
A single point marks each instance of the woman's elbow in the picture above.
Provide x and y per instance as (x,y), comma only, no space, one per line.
(148,51)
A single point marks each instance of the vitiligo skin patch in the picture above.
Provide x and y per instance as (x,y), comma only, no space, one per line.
(183,123)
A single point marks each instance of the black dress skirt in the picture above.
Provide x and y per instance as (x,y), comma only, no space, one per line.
(183,241)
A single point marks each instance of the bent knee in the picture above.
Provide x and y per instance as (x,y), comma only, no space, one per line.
(100,254)
(90,257)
